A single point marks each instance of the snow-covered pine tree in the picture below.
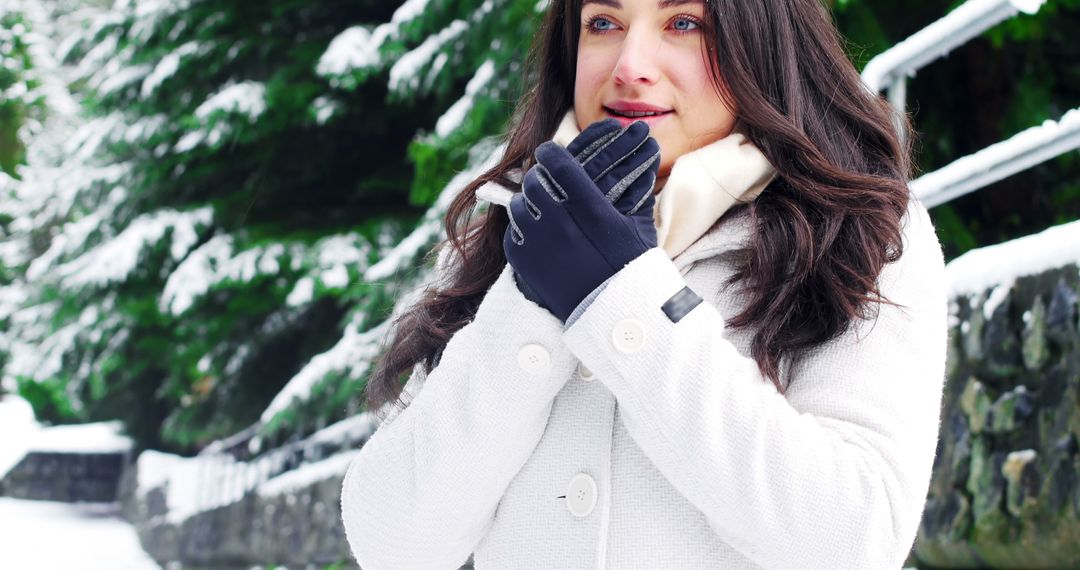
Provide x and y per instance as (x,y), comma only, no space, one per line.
(239,213)
(20,96)
(22,109)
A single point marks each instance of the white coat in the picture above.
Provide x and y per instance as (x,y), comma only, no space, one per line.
(629,441)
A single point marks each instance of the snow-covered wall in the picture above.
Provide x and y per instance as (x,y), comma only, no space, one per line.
(1004,492)
(279,507)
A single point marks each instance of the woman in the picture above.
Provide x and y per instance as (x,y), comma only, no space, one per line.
(751,381)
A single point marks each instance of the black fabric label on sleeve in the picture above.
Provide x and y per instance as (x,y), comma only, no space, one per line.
(680,304)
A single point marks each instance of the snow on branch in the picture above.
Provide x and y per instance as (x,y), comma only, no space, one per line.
(115,259)
(166,68)
(455,115)
(484,155)
(247,98)
(404,75)
(352,355)
(358,47)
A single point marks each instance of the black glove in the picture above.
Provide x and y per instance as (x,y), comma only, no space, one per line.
(577,223)
(584,147)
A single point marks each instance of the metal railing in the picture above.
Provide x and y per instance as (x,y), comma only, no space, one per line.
(891,70)
(1000,160)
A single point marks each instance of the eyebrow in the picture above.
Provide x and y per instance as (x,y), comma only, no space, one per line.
(662,3)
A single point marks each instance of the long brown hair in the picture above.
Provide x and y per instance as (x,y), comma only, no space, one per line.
(824,227)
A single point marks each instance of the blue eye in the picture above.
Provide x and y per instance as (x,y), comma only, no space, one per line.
(595,19)
(694,25)
(687,20)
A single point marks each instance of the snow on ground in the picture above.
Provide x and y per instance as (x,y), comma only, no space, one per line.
(90,536)
(46,535)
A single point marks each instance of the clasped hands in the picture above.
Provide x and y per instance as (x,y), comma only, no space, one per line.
(584,213)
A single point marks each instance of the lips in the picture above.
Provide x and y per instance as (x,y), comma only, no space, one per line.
(650,120)
(634,114)
(635,106)
(624,111)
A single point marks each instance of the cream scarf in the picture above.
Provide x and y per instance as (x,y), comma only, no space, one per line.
(702,185)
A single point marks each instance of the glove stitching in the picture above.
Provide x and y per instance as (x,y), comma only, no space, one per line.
(632,177)
(542,173)
(546,180)
(593,149)
(617,163)
(604,143)
(514,228)
(644,197)
(531,207)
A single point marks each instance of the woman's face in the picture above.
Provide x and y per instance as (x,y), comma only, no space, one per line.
(638,55)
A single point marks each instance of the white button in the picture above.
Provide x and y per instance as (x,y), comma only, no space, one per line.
(585,373)
(581,495)
(628,336)
(533,358)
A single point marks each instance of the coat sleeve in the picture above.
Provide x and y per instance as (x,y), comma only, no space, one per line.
(832,475)
(422,492)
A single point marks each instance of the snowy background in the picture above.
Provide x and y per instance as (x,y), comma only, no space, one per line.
(210,212)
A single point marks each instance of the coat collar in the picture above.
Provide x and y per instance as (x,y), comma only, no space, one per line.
(731,232)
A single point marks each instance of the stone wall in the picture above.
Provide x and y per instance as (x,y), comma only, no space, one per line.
(1004,492)
(67,477)
(300,529)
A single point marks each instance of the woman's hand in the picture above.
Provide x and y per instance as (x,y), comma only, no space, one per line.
(584,212)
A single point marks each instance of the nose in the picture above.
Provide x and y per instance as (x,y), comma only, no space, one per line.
(638,58)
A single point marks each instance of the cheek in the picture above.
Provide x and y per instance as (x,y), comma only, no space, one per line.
(590,70)
(693,76)
(702,100)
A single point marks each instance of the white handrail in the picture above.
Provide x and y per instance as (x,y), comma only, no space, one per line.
(890,70)
(999,160)
(939,38)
